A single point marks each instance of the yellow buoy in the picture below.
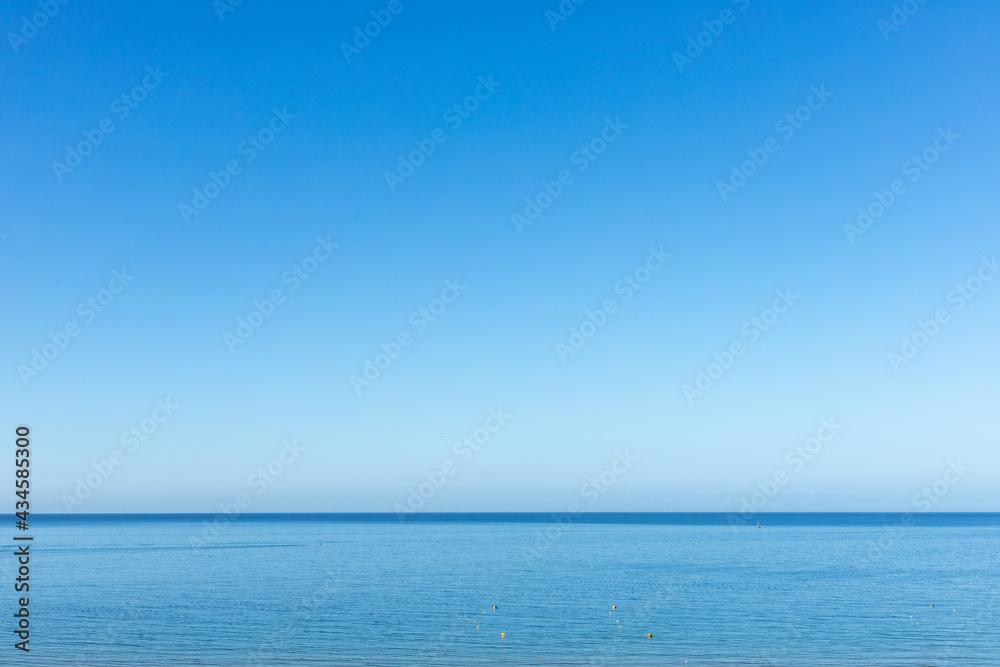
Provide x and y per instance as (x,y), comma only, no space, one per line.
(503,634)
(650,634)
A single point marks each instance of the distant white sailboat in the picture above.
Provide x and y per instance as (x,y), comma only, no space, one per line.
(758,523)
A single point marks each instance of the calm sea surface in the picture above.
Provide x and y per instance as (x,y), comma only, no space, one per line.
(805,589)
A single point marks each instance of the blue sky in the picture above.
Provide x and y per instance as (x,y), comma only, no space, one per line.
(328,128)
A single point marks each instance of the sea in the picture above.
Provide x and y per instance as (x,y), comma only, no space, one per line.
(509,589)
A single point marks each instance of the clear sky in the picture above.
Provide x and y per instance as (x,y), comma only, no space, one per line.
(623,131)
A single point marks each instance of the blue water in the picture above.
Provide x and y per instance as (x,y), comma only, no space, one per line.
(805,589)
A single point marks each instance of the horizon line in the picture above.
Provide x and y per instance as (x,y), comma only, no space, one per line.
(466,512)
